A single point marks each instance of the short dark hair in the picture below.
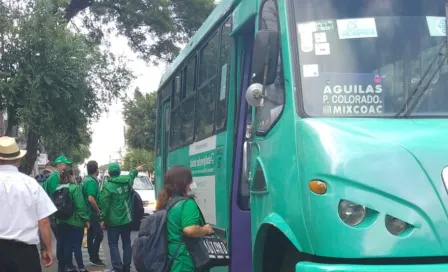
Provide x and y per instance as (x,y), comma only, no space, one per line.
(92,167)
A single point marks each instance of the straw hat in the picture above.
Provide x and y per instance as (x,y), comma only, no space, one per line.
(9,150)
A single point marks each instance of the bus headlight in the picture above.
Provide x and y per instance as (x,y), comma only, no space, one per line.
(395,226)
(351,213)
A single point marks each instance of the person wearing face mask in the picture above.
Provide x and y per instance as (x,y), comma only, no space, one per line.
(116,214)
(184,218)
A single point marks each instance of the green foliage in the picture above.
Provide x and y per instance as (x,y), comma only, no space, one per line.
(136,157)
(155,28)
(140,116)
(58,82)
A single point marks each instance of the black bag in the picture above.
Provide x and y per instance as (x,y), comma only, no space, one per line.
(137,208)
(63,202)
(207,251)
(42,177)
(150,249)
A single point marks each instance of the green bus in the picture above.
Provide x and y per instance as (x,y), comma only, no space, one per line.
(316,132)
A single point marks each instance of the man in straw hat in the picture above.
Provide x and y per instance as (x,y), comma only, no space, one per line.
(24,210)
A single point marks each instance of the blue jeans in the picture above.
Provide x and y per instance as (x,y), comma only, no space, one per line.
(113,234)
(60,246)
(94,238)
(69,242)
(73,244)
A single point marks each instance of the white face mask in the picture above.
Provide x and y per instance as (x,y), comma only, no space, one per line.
(193,185)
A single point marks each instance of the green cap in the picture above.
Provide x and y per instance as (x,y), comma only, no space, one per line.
(114,169)
(62,159)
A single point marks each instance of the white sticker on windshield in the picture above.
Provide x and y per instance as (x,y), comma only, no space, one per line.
(306,42)
(320,37)
(307,47)
(306,37)
(309,27)
(310,70)
(357,28)
(322,49)
(436,26)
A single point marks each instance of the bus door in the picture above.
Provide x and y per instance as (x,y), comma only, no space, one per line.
(240,227)
(166,109)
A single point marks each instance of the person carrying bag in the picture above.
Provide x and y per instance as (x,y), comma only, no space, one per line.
(207,251)
(183,219)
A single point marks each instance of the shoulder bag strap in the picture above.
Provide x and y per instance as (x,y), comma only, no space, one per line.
(169,205)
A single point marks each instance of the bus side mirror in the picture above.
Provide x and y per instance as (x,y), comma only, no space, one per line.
(265,56)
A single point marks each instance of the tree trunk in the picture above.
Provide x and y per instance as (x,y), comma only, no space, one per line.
(31,151)
(12,122)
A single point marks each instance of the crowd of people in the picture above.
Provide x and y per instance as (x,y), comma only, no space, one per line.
(31,209)
(55,202)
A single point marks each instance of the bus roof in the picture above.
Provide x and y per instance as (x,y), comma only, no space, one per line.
(217,14)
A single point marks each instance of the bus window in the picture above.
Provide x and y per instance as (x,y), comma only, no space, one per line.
(367,58)
(187,126)
(176,115)
(189,78)
(177,89)
(188,103)
(275,93)
(205,114)
(226,42)
(208,60)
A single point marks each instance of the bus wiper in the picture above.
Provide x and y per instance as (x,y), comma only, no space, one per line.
(410,102)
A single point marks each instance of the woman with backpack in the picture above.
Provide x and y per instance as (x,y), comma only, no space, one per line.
(72,216)
(183,219)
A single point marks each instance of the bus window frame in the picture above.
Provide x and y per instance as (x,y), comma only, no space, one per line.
(190,59)
(195,54)
(201,85)
(229,64)
(173,109)
(194,58)
(163,95)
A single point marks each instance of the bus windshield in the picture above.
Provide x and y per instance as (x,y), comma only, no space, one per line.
(365,58)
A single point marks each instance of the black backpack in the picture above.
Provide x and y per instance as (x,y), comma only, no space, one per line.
(63,202)
(137,208)
(150,249)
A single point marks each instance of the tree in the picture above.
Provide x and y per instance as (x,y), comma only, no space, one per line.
(140,116)
(58,81)
(136,157)
(155,28)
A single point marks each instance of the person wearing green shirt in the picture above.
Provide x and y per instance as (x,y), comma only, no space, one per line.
(183,219)
(91,190)
(51,183)
(116,213)
(61,163)
(71,231)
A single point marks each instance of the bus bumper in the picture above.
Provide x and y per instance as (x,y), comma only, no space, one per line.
(315,267)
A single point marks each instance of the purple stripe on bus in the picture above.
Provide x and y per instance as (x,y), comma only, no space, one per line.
(240,230)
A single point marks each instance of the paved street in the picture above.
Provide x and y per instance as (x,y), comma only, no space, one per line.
(104,254)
